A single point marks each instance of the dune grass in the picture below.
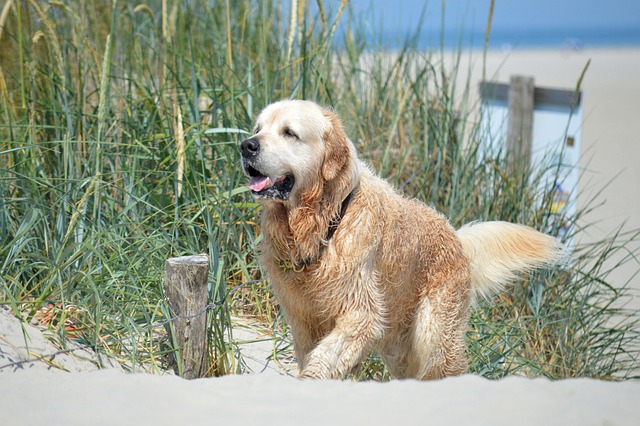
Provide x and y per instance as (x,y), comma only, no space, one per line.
(118,149)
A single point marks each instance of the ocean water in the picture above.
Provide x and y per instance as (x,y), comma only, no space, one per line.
(503,39)
(572,24)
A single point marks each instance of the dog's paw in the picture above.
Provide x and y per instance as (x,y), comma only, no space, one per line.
(306,376)
(315,371)
(311,374)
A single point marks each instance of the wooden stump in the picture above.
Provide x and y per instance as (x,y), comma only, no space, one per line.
(185,287)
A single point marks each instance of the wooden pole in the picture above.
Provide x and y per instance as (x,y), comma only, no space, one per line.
(185,287)
(520,125)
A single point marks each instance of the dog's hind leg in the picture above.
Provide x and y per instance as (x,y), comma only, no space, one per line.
(437,339)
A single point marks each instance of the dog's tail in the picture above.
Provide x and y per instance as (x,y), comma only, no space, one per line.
(500,251)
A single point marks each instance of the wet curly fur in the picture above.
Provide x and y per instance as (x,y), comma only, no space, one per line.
(394,278)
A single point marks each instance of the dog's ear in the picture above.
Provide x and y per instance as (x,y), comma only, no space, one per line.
(336,148)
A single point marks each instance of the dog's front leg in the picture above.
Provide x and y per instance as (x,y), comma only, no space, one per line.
(304,339)
(343,348)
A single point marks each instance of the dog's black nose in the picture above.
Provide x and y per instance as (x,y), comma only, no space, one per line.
(250,147)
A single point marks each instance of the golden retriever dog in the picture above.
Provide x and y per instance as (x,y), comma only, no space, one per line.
(357,267)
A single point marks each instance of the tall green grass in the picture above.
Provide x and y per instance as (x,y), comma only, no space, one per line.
(118,149)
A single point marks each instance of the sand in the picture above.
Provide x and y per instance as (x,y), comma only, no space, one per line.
(70,390)
(113,398)
(40,392)
(37,393)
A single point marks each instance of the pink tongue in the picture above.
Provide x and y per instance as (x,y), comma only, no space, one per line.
(257,184)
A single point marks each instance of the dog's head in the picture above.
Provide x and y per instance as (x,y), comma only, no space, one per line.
(297,151)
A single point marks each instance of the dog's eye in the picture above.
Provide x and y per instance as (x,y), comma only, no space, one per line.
(256,130)
(289,133)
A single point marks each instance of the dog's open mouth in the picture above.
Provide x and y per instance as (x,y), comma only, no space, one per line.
(262,186)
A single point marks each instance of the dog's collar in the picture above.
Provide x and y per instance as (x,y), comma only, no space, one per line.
(287,265)
(335,222)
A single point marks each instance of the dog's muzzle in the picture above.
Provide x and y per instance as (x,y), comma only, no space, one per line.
(261,185)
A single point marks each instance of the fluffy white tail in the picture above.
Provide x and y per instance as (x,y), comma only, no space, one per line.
(500,251)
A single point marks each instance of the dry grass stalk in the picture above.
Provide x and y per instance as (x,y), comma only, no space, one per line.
(180,148)
(4,15)
(52,40)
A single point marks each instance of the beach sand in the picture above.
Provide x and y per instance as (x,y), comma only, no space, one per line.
(115,398)
(611,141)
(40,392)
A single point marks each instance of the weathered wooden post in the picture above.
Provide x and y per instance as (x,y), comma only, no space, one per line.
(185,289)
(520,124)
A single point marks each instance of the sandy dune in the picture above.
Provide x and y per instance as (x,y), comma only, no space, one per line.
(40,394)
(67,389)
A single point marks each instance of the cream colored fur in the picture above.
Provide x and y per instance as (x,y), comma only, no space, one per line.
(500,251)
(395,278)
